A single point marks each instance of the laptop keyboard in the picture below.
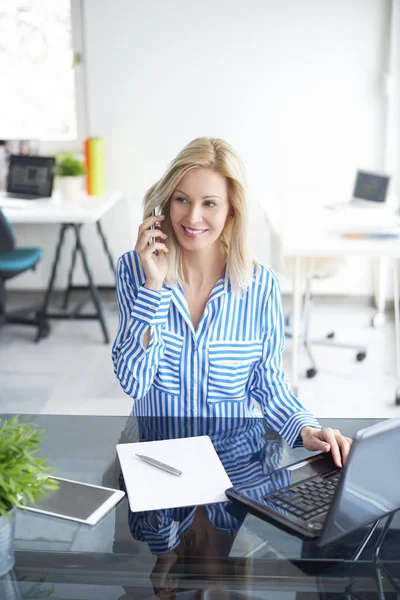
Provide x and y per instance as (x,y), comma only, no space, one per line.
(308,499)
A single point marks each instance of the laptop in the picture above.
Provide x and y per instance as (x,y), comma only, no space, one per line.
(30,177)
(370,191)
(313,499)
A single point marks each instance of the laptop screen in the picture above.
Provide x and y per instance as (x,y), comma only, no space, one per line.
(370,488)
(31,175)
(370,186)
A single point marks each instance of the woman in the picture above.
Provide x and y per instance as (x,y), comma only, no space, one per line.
(200,322)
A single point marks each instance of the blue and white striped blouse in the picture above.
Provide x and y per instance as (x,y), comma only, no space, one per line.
(229,366)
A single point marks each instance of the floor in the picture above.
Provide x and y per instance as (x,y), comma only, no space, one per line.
(71,371)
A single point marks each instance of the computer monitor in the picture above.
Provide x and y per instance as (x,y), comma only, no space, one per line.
(371,187)
(30,176)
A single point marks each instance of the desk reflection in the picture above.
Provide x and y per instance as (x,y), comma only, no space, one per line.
(197,541)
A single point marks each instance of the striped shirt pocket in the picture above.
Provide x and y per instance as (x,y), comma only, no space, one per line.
(229,368)
(168,378)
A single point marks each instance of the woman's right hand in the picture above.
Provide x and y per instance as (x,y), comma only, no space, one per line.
(154,265)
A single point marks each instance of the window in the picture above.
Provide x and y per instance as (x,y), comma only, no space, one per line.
(38,88)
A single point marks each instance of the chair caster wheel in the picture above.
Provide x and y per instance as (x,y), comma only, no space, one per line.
(378,320)
(360,356)
(45,330)
(398,397)
(311,373)
(330,335)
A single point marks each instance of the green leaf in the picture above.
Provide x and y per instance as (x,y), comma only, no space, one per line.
(69,166)
(22,472)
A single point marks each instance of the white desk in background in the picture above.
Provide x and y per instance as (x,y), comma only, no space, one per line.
(67,215)
(319,233)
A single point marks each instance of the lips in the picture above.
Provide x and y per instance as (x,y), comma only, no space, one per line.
(192,233)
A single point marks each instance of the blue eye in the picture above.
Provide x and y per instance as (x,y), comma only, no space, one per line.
(210,203)
(180,199)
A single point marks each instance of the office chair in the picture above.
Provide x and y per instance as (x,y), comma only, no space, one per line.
(13,262)
(313,269)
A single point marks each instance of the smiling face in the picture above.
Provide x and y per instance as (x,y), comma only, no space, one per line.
(199,209)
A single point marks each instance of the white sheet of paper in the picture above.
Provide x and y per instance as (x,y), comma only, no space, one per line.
(203,480)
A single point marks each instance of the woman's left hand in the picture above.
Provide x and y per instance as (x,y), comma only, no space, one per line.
(327,440)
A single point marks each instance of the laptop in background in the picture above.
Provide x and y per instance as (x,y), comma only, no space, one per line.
(314,499)
(370,191)
(30,177)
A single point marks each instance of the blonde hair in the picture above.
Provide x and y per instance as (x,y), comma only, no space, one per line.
(219,156)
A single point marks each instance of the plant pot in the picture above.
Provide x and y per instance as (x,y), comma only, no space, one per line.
(71,188)
(7,528)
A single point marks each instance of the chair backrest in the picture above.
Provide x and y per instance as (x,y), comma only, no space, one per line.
(7,240)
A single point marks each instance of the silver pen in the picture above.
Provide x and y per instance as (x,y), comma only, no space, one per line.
(159,464)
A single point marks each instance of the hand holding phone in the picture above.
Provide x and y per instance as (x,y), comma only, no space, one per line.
(151,249)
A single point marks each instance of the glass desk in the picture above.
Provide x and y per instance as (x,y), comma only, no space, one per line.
(216,551)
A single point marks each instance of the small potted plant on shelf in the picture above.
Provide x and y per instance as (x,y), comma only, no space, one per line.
(23,479)
(70,172)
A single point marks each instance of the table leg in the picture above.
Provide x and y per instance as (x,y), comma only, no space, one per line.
(296,323)
(92,288)
(67,292)
(379,584)
(106,248)
(396,321)
(381,266)
(43,311)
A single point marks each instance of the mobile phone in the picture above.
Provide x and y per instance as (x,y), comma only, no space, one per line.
(154,212)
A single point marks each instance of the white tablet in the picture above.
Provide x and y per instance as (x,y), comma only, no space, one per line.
(77,501)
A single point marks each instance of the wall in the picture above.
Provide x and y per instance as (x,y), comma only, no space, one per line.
(296,87)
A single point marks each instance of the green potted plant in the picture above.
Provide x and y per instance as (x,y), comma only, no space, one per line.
(23,479)
(70,172)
